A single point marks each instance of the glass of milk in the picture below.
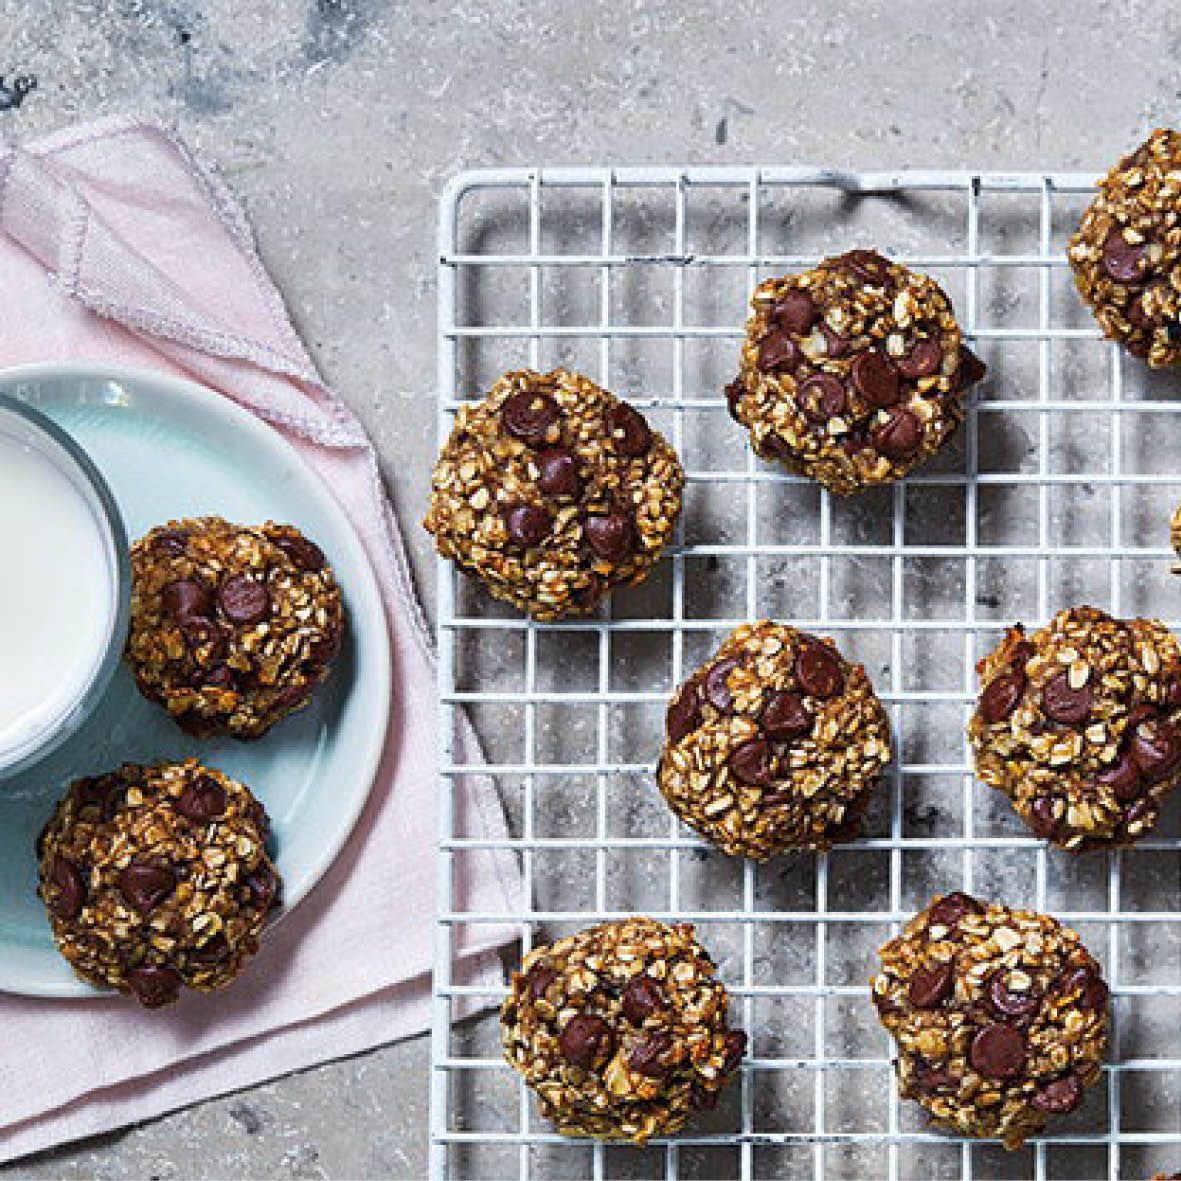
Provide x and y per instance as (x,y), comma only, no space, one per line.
(64,585)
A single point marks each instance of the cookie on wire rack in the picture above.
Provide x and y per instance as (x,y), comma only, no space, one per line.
(1126,253)
(1079,724)
(552,491)
(622,1030)
(776,743)
(852,373)
(1000,1016)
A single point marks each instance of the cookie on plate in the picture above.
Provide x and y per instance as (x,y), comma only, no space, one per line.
(553,491)
(621,1030)
(1079,724)
(232,626)
(775,743)
(1126,253)
(1000,1016)
(157,878)
(852,373)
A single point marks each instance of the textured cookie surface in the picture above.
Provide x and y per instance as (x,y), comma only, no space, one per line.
(157,878)
(1079,724)
(232,627)
(1000,1016)
(775,743)
(852,373)
(552,491)
(621,1030)
(1126,253)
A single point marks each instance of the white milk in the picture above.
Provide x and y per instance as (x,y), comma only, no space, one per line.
(57,596)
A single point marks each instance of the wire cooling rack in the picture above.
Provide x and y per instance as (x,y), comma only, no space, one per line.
(1057,490)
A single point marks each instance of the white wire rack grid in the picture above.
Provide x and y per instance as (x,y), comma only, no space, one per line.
(1057,490)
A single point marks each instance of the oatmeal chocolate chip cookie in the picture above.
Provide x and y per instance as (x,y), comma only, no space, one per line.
(1000,1016)
(232,627)
(157,878)
(621,1030)
(1079,725)
(775,743)
(852,373)
(1126,253)
(553,491)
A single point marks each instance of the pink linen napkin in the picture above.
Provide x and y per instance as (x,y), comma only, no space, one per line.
(117,247)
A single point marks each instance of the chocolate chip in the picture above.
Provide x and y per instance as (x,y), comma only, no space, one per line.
(734,392)
(101,794)
(1156,749)
(1065,704)
(304,554)
(651,1056)
(785,716)
(1138,317)
(717,684)
(212,951)
(1123,777)
(1173,693)
(876,379)
(868,265)
(243,600)
(1060,1097)
(1086,982)
(612,537)
(818,670)
(970,369)
(71,889)
(557,472)
(202,800)
(795,312)
(684,714)
(821,397)
(586,1040)
(1000,697)
(186,599)
(172,542)
(751,762)
(934,1078)
(145,886)
(835,344)
(734,1047)
(1042,820)
(527,524)
(205,634)
(154,985)
(539,979)
(642,998)
(923,360)
(629,431)
(777,352)
(263,886)
(1123,261)
(1005,1002)
(529,416)
(930,987)
(952,907)
(899,434)
(997,1052)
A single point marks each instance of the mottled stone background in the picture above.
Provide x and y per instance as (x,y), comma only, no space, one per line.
(337,122)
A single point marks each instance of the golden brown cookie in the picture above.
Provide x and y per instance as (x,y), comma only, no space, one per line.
(621,1030)
(552,491)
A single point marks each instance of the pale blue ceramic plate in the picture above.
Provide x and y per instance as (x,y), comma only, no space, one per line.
(169,448)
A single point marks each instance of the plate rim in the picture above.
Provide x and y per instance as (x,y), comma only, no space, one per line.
(369,757)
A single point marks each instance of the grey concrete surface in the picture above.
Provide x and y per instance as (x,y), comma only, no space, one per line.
(338,121)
